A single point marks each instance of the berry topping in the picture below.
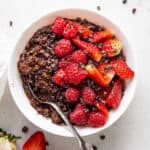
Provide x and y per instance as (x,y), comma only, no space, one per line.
(59,25)
(72,95)
(122,69)
(59,77)
(63,48)
(96,119)
(114,98)
(69,31)
(88,95)
(79,116)
(79,57)
(91,49)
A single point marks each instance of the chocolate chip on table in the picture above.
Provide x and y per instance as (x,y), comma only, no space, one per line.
(124,1)
(25,129)
(47,143)
(11,23)
(133,10)
(94,147)
(98,8)
(102,137)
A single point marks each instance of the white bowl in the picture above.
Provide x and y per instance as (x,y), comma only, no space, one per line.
(17,90)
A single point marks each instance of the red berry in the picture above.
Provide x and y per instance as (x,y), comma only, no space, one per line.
(72,95)
(63,48)
(64,62)
(59,77)
(79,116)
(88,95)
(69,31)
(59,25)
(75,74)
(79,57)
(96,119)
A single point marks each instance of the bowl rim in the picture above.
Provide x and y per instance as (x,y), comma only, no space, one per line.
(57,11)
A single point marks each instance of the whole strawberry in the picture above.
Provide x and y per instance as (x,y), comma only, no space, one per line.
(88,95)
(59,25)
(63,48)
(72,95)
(79,116)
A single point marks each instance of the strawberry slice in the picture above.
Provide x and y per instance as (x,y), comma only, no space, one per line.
(107,71)
(122,69)
(101,107)
(114,98)
(96,75)
(82,30)
(102,35)
(93,51)
(112,47)
(35,142)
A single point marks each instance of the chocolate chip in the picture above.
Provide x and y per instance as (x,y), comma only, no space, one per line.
(98,8)
(102,137)
(133,10)
(94,147)
(124,1)
(11,23)
(47,143)
(25,129)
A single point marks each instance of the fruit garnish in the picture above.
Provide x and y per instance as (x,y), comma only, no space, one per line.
(122,69)
(7,140)
(83,31)
(96,75)
(59,25)
(102,35)
(91,49)
(96,119)
(63,48)
(88,95)
(107,72)
(114,97)
(79,116)
(72,95)
(35,142)
(112,47)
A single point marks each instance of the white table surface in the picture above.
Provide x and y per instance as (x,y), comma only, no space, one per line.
(130,132)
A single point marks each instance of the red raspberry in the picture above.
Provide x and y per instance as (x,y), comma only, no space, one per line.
(69,31)
(79,57)
(63,48)
(64,62)
(96,119)
(75,74)
(72,95)
(59,25)
(88,95)
(79,116)
(59,77)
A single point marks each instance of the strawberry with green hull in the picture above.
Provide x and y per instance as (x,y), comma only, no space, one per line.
(91,49)
(112,47)
(102,36)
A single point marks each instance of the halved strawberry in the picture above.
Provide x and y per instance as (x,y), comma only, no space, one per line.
(101,107)
(122,69)
(102,35)
(112,47)
(93,51)
(35,142)
(96,75)
(107,72)
(114,98)
(82,30)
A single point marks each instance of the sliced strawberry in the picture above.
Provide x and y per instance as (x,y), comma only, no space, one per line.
(35,142)
(96,75)
(82,31)
(101,107)
(107,71)
(93,51)
(102,35)
(114,98)
(112,47)
(122,69)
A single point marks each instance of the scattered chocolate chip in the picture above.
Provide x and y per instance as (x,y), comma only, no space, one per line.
(94,147)
(102,137)
(25,129)
(10,23)
(124,1)
(98,8)
(47,143)
(133,10)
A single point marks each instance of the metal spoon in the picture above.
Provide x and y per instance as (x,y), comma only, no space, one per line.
(83,144)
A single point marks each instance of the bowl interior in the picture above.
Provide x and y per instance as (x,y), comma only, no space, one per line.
(16,86)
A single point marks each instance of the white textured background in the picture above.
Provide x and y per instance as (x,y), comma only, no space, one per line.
(132,131)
